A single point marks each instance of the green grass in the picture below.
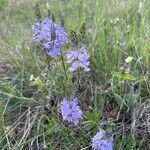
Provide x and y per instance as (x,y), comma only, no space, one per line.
(110,98)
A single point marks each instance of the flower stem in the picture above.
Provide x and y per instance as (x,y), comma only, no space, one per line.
(64,67)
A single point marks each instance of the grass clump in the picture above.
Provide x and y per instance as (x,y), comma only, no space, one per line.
(84,77)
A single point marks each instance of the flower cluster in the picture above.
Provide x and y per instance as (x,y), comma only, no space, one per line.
(71,111)
(51,35)
(78,58)
(101,142)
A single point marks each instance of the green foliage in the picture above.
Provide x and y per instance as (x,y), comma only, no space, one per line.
(2,133)
(93,116)
(2,4)
(122,77)
(112,31)
(127,142)
(128,100)
(52,124)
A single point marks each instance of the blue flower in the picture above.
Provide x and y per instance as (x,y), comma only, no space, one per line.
(78,58)
(37,35)
(100,142)
(61,34)
(50,35)
(54,49)
(71,111)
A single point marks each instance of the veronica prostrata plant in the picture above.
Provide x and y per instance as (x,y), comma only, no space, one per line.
(50,35)
(78,58)
(71,110)
(101,142)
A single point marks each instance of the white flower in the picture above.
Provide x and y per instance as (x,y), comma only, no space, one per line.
(129,59)
(31,77)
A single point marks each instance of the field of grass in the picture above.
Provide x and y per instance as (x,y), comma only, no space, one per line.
(113,96)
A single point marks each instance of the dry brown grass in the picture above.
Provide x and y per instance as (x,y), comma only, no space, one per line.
(141,118)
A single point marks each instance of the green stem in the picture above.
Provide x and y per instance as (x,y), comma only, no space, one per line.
(64,67)
(79,78)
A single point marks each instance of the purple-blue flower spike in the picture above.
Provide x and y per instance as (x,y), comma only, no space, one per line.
(71,111)
(78,58)
(42,33)
(100,142)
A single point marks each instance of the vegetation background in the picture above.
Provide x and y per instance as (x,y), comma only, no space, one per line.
(115,95)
